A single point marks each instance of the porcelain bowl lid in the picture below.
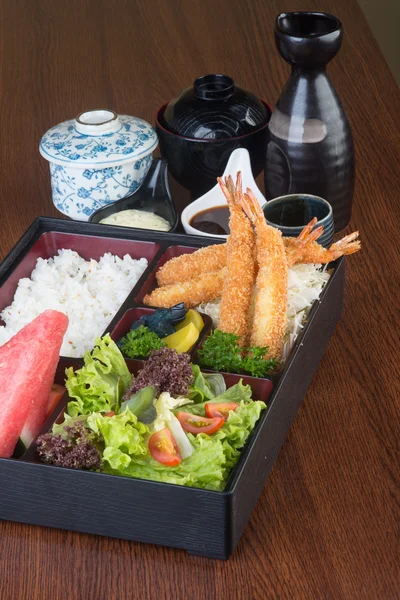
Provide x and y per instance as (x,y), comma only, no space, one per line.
(97,139)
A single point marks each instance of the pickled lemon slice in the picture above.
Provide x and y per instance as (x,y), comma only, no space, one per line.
(192,316)
(183,340)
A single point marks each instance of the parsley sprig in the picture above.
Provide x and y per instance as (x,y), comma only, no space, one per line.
(140,342)
(221,352)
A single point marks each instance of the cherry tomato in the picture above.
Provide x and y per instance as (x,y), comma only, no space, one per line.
(196,424)
(111,413)
(219,409)
(164,449)
(56,393)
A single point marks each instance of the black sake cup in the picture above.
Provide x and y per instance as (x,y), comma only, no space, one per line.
(290,214)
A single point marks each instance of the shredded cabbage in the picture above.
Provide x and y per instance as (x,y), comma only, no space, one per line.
(211,309)
(305,284)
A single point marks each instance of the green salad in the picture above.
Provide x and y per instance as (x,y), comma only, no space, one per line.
(171,423)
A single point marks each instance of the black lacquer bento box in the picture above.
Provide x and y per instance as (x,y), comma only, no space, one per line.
(203,522)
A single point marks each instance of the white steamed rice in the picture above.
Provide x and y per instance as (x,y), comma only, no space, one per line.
(88,292)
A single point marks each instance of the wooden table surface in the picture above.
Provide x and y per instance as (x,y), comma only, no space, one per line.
(326,525)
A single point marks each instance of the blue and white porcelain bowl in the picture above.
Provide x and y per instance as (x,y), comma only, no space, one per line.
(96,159)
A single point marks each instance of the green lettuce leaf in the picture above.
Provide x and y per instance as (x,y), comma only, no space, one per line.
(205,468)
(124,437)
(107,351)
(99,385)
(237,429)
(206,385)
(97,388)
(116,458)
(213,456)
(233,435)
(58,428)
(237,393)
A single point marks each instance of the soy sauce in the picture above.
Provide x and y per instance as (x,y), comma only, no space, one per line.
(213,220)
(295,213)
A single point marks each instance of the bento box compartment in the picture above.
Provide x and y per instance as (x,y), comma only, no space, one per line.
(151,282)
(123,326)
(86,246)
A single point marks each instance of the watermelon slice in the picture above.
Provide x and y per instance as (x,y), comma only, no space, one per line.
(56,393)
(28,363)
(38,413)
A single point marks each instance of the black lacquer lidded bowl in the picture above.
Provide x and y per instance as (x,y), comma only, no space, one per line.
(214,108)
(200,128)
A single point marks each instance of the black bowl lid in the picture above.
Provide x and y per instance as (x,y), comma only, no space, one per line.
(214,108)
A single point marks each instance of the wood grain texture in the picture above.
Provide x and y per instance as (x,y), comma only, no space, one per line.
(326,525)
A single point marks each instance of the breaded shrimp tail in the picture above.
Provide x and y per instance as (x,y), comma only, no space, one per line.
(240,276)
(205,288)
(295,247)
(314,253)
(305,249)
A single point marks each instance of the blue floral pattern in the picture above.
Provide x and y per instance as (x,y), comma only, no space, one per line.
(63,143)
(78,193)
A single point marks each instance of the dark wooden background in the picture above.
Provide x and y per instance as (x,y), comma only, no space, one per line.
(327,523)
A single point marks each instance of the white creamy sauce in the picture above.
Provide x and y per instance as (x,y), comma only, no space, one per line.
(137,218)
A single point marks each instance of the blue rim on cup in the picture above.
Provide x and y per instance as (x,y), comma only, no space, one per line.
(285,212)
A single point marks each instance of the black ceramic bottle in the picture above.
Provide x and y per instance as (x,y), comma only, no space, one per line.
(310,149)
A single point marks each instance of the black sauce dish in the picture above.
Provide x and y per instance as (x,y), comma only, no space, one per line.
(153,196)
(291,213)
(199,130)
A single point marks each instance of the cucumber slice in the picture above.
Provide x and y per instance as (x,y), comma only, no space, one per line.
(141,403)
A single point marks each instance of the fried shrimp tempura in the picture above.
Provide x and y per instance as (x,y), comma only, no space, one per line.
(269,320)
(301,250)
(240,275)
(314,253)
(204,288)
(187,266)
(296,247)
